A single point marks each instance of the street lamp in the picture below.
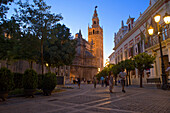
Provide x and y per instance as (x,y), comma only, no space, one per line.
(157,19)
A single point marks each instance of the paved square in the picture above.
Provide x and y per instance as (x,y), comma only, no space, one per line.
(90,100)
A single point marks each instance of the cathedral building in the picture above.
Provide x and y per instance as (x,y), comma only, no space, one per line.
(89,56)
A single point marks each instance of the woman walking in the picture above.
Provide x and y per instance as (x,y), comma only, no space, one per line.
(110,82)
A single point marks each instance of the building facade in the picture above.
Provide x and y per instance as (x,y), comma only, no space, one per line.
(84,64)
(95,37)
(112,58)
(133,38)
(89,55)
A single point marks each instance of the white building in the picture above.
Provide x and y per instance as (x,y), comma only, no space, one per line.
(129,39)
(112,58)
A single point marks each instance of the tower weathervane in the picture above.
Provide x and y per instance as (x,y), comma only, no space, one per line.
(95,7)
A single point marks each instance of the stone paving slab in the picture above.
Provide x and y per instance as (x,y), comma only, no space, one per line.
(90,100)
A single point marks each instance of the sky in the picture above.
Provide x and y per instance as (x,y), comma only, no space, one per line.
(77,14)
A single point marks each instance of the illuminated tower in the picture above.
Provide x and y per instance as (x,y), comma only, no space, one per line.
(95,35)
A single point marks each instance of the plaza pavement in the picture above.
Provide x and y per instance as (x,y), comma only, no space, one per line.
(90,100)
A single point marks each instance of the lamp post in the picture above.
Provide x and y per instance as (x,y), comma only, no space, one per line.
(166,19)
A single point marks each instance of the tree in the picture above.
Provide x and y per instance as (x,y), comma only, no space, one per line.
(129,65)
(37,19)
(27,48)
(116,70)
(9,34)
(104,73)
(4,9)
(59,49)
(143,61)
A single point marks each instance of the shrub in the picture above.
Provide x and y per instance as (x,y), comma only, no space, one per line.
(17,92)
(30,79)
(6,79)
(49,81)
(18,80)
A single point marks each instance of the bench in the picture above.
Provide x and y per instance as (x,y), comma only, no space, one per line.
(155,80)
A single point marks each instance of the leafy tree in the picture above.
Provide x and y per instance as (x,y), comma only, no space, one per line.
(143,61)
(37,19)
(4,9)
(27,48)
(9,33)
(116,70)
(59,49)
(104,73)
(129,66)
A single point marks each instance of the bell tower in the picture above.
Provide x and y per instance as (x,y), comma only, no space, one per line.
(95,35)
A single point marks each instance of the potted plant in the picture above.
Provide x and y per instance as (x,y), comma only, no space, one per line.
(6,82)
(49,83)
(30,82)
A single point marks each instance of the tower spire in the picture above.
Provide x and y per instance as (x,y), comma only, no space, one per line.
(95,13)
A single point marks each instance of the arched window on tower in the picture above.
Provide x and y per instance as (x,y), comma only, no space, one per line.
(94,22)
(97,32)
(93,31)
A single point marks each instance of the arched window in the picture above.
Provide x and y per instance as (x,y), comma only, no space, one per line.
(94,22)
(93,31)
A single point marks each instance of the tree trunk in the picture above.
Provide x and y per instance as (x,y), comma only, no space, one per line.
(58,70)
(141,72)
(116,80)
(129,79)
(7,63)
(31,64)
(42,64)
(49,69)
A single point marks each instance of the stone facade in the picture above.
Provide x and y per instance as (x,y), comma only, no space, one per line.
(95,36)
(89,56)
(134,39)
(84,65)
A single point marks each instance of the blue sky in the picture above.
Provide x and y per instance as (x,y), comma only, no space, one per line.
(78,14)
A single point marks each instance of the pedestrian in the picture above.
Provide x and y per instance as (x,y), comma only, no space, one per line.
(106,81)
(78,81)
(110,82)
(94,81)
(102,80)
(122,75)
(168,70)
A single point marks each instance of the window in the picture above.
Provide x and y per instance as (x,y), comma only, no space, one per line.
(164,33)
(97,32)
(94,22)
(121,57)
(93,31)
(126,56)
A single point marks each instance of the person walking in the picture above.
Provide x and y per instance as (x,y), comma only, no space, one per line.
(122,75)
(94,81)
(168,71)
(78,82)
(106,81)
(102,80)
(110,82)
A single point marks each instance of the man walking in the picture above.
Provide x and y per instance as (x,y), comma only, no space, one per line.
(122,75)
(94,81)
(110,82)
